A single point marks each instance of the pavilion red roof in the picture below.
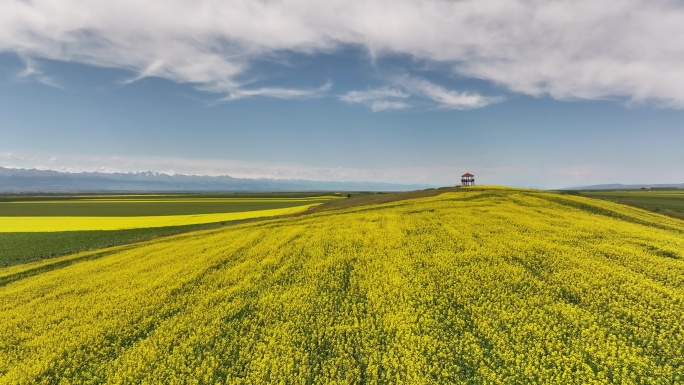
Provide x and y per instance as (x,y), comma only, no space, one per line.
(467,174)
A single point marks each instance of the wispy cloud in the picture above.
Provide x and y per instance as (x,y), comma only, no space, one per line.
(445,98)
(566,49)
(408,88)
(151,70)
(32,71)
(373,94)
(378,99)
(279,93)
(386,105)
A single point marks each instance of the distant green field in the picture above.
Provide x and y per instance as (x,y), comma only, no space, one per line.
(21,247)
(129,206)
(189,196)
(26,247)
(668,202)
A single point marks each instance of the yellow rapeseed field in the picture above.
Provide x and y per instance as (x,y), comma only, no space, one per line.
(49,224)
(476,287)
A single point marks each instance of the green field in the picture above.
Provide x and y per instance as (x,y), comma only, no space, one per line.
(20,247)
(127,206)
(27,247)
(86,196)
(667,202)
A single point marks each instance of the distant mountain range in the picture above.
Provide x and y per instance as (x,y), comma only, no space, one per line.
(32,181)
(618,186)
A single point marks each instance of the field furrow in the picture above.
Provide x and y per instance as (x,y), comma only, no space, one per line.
(502,286)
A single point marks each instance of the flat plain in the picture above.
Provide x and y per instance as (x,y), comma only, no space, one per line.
(145,205)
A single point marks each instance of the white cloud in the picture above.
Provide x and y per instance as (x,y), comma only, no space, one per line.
(445,98)
(279,93)
(378,99)
(33,71)
(567,49)
(386,105)
(384,98)
(372,94)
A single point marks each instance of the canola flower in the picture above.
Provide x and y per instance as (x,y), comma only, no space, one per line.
(48,224)
(493,286)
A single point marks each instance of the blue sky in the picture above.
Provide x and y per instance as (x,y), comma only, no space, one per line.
(523,93)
